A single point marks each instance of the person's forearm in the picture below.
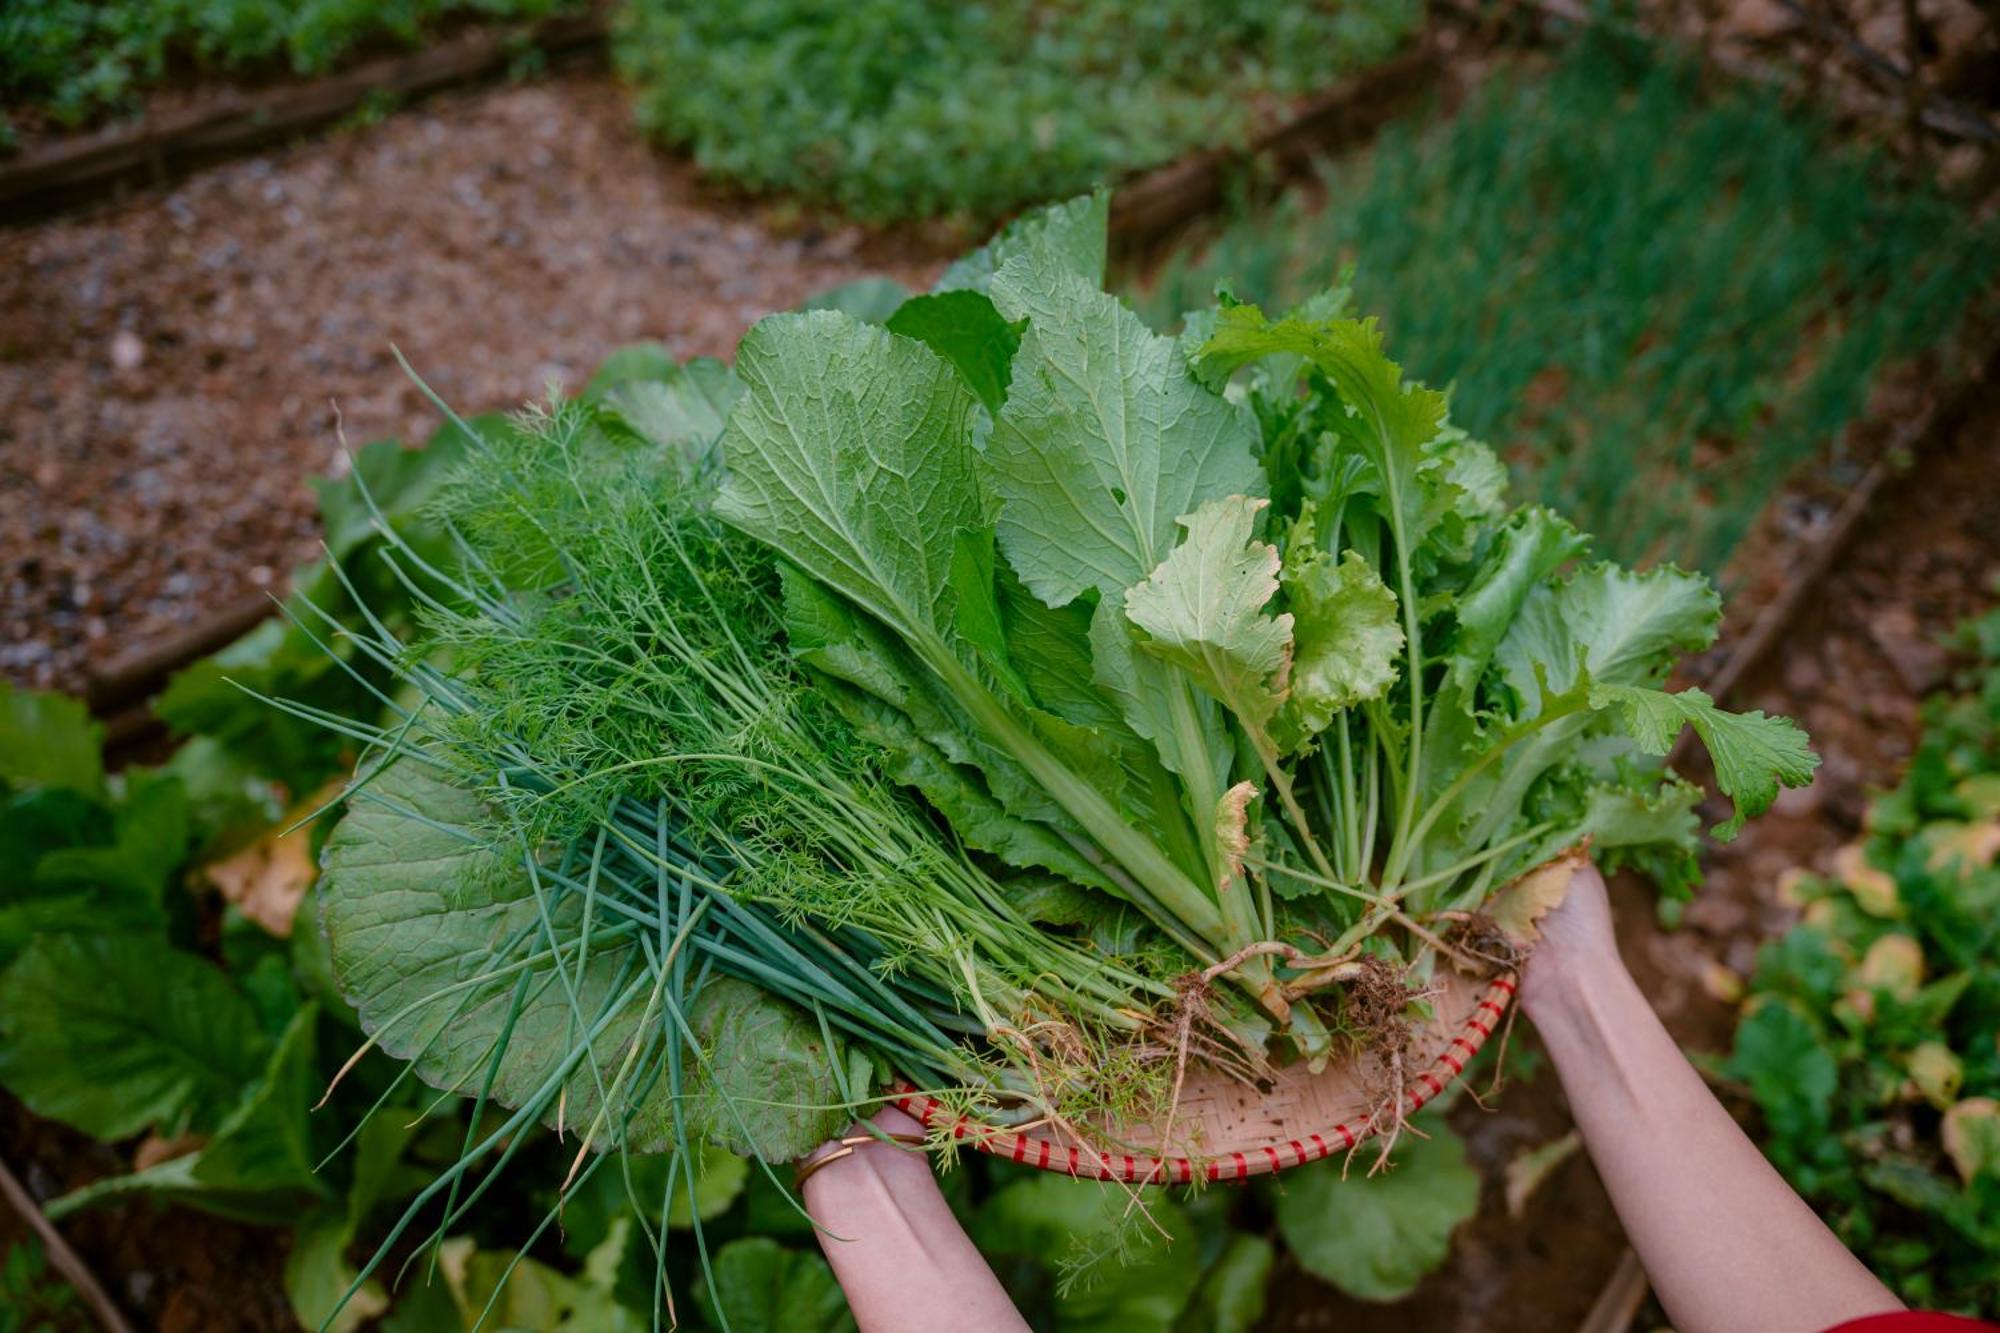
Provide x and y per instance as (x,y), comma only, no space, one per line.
(899,1254)
(1726,1242)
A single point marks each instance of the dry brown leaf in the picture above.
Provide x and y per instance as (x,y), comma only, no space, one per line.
(1722,982)
(1232,831)
(1972,845)
(1874,890)
(1517,908)
(153,1149)
(268,879)
(1971,1134)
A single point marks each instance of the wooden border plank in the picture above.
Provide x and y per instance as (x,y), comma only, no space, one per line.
(236,121)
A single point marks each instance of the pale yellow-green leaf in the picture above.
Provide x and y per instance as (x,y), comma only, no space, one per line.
(1202,609)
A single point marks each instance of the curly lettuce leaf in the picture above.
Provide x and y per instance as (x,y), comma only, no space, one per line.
(1532,545)
(1753,754)
(1347,635)
(1202,609)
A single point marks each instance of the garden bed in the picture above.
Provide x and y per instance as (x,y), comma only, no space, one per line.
(143,408)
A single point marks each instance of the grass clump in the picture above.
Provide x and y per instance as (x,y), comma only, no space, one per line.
(897,108)
(1656,299)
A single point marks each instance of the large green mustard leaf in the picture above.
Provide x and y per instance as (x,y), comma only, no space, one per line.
(1068,236)
(433,930)
(1105,441)
(851,455)
(442,946)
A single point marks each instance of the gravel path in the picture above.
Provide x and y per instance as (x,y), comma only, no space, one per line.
(170,368)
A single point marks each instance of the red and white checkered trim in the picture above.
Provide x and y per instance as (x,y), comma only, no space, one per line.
(1073,1160)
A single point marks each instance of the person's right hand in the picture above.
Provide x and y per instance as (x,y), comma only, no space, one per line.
(1577,947)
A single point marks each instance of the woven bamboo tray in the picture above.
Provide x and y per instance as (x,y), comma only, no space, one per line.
(1224,1130)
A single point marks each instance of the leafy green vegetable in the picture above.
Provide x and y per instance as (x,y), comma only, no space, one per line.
(1374,1234)
(772,1069)
(318,1273)
(1051,1220)
(762,1287)
(435,942)
(48,740)
(1264,718)
(1220,658)
(492,1288)
(120,1033)
(1867,1041)
(1230,1298)
(258,1165)
(149,838)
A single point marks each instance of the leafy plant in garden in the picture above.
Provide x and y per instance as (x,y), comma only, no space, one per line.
(111,1022)
(1655,296)
(74,60)
(35,1300)
(1868,1039)
(888,108)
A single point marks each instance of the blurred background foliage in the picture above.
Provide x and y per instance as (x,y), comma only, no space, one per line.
(1656,294)
(75,60)
(1655,297)
(891,109)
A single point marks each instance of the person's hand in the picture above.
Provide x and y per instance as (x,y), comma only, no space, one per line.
(1726,1242)
(1577,948)
(898,1253)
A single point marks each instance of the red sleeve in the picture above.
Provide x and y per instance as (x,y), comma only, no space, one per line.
(1914,1321)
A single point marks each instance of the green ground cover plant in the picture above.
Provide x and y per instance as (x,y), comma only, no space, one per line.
(76,60)
(893,109)
(1868,1040)
(1654,297)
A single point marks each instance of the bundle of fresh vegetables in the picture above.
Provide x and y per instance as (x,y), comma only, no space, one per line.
(1008,698)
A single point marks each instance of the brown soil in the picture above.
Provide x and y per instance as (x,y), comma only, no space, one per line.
(169,371)
(172,369)
(173,1270)
(1852,670)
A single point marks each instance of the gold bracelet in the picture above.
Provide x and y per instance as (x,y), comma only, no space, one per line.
(846,1147)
